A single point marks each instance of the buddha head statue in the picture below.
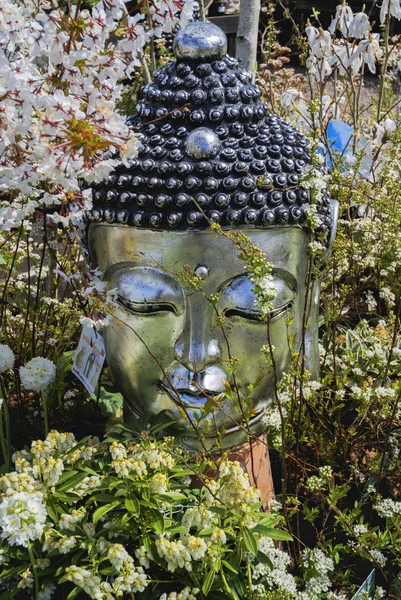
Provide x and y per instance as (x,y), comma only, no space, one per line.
(210,153)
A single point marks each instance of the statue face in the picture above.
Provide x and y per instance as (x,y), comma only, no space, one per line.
(166,350)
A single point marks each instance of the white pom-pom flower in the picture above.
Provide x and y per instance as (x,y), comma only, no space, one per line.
(22,518)
(37,374)
(6,358)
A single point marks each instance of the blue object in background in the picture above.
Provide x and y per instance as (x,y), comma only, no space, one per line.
(338,136)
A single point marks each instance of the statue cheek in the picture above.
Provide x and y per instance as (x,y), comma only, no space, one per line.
(142,343)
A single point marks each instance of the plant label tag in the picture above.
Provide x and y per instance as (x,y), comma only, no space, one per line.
(367,589)
(89,358)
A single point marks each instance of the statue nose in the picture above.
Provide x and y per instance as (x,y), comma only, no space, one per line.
(196,348)
(196,353)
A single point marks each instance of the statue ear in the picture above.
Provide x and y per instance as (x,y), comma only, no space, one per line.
(334,208)
(91,256)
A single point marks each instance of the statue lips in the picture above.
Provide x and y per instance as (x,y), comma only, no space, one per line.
(194,389)
(189,399)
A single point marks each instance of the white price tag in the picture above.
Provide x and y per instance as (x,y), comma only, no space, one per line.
(89,358)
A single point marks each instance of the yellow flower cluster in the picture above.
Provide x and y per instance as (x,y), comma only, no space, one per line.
(232,488)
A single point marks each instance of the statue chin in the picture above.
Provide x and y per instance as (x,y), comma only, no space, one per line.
(165,348)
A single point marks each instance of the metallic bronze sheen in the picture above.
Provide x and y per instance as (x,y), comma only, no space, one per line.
(166,350)
(212,154)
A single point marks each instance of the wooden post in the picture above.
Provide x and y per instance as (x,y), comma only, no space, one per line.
(255,460)
(247,34)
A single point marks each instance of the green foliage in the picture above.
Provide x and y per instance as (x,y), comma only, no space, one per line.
(121,512)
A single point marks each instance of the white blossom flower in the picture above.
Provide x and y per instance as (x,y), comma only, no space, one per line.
(6,358)
(22,518)
(359,26)
(370,301)
(342,19)
(70,521)
(97,324)
(369,51)
(391,8)
(175,553)
(117,555)
(47,592)
(26,580)
(388,508)
(37,374)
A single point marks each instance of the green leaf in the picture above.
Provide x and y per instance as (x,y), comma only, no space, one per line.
(264,559)
(132,504)
(156,428)
(206,532)
(218,510)
(108,402)
(104,497)
(71,482)
(270,520)
(177,529)
(125,519)
(51,510)
(235,557)
(69,498)
(274,534)
(229,567)
(65,476)
(238,586)
(172,497)
(208,582)
(90,471)
(74,593)
(156,520)
(102,510)
(147,543)
(108,571)
(180,472)
(9,595)
(249,540)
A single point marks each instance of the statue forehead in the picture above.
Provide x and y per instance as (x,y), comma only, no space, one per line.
(111,246)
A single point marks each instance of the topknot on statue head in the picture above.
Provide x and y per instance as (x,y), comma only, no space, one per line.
(210,150)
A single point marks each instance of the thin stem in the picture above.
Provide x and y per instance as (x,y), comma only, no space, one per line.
(226,585)
(248,568)
(45,412)
(385,64)
(2,439)
(5,443)
(35,574)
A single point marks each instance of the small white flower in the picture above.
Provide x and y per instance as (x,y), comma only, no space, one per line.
(22,518)
(359,26)
(392,8)
(47,592)
(6,358)
(342,19)
(37,374)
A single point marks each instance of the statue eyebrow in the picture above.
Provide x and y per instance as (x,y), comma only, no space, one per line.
(129,266)
(109,272)
(281,273)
